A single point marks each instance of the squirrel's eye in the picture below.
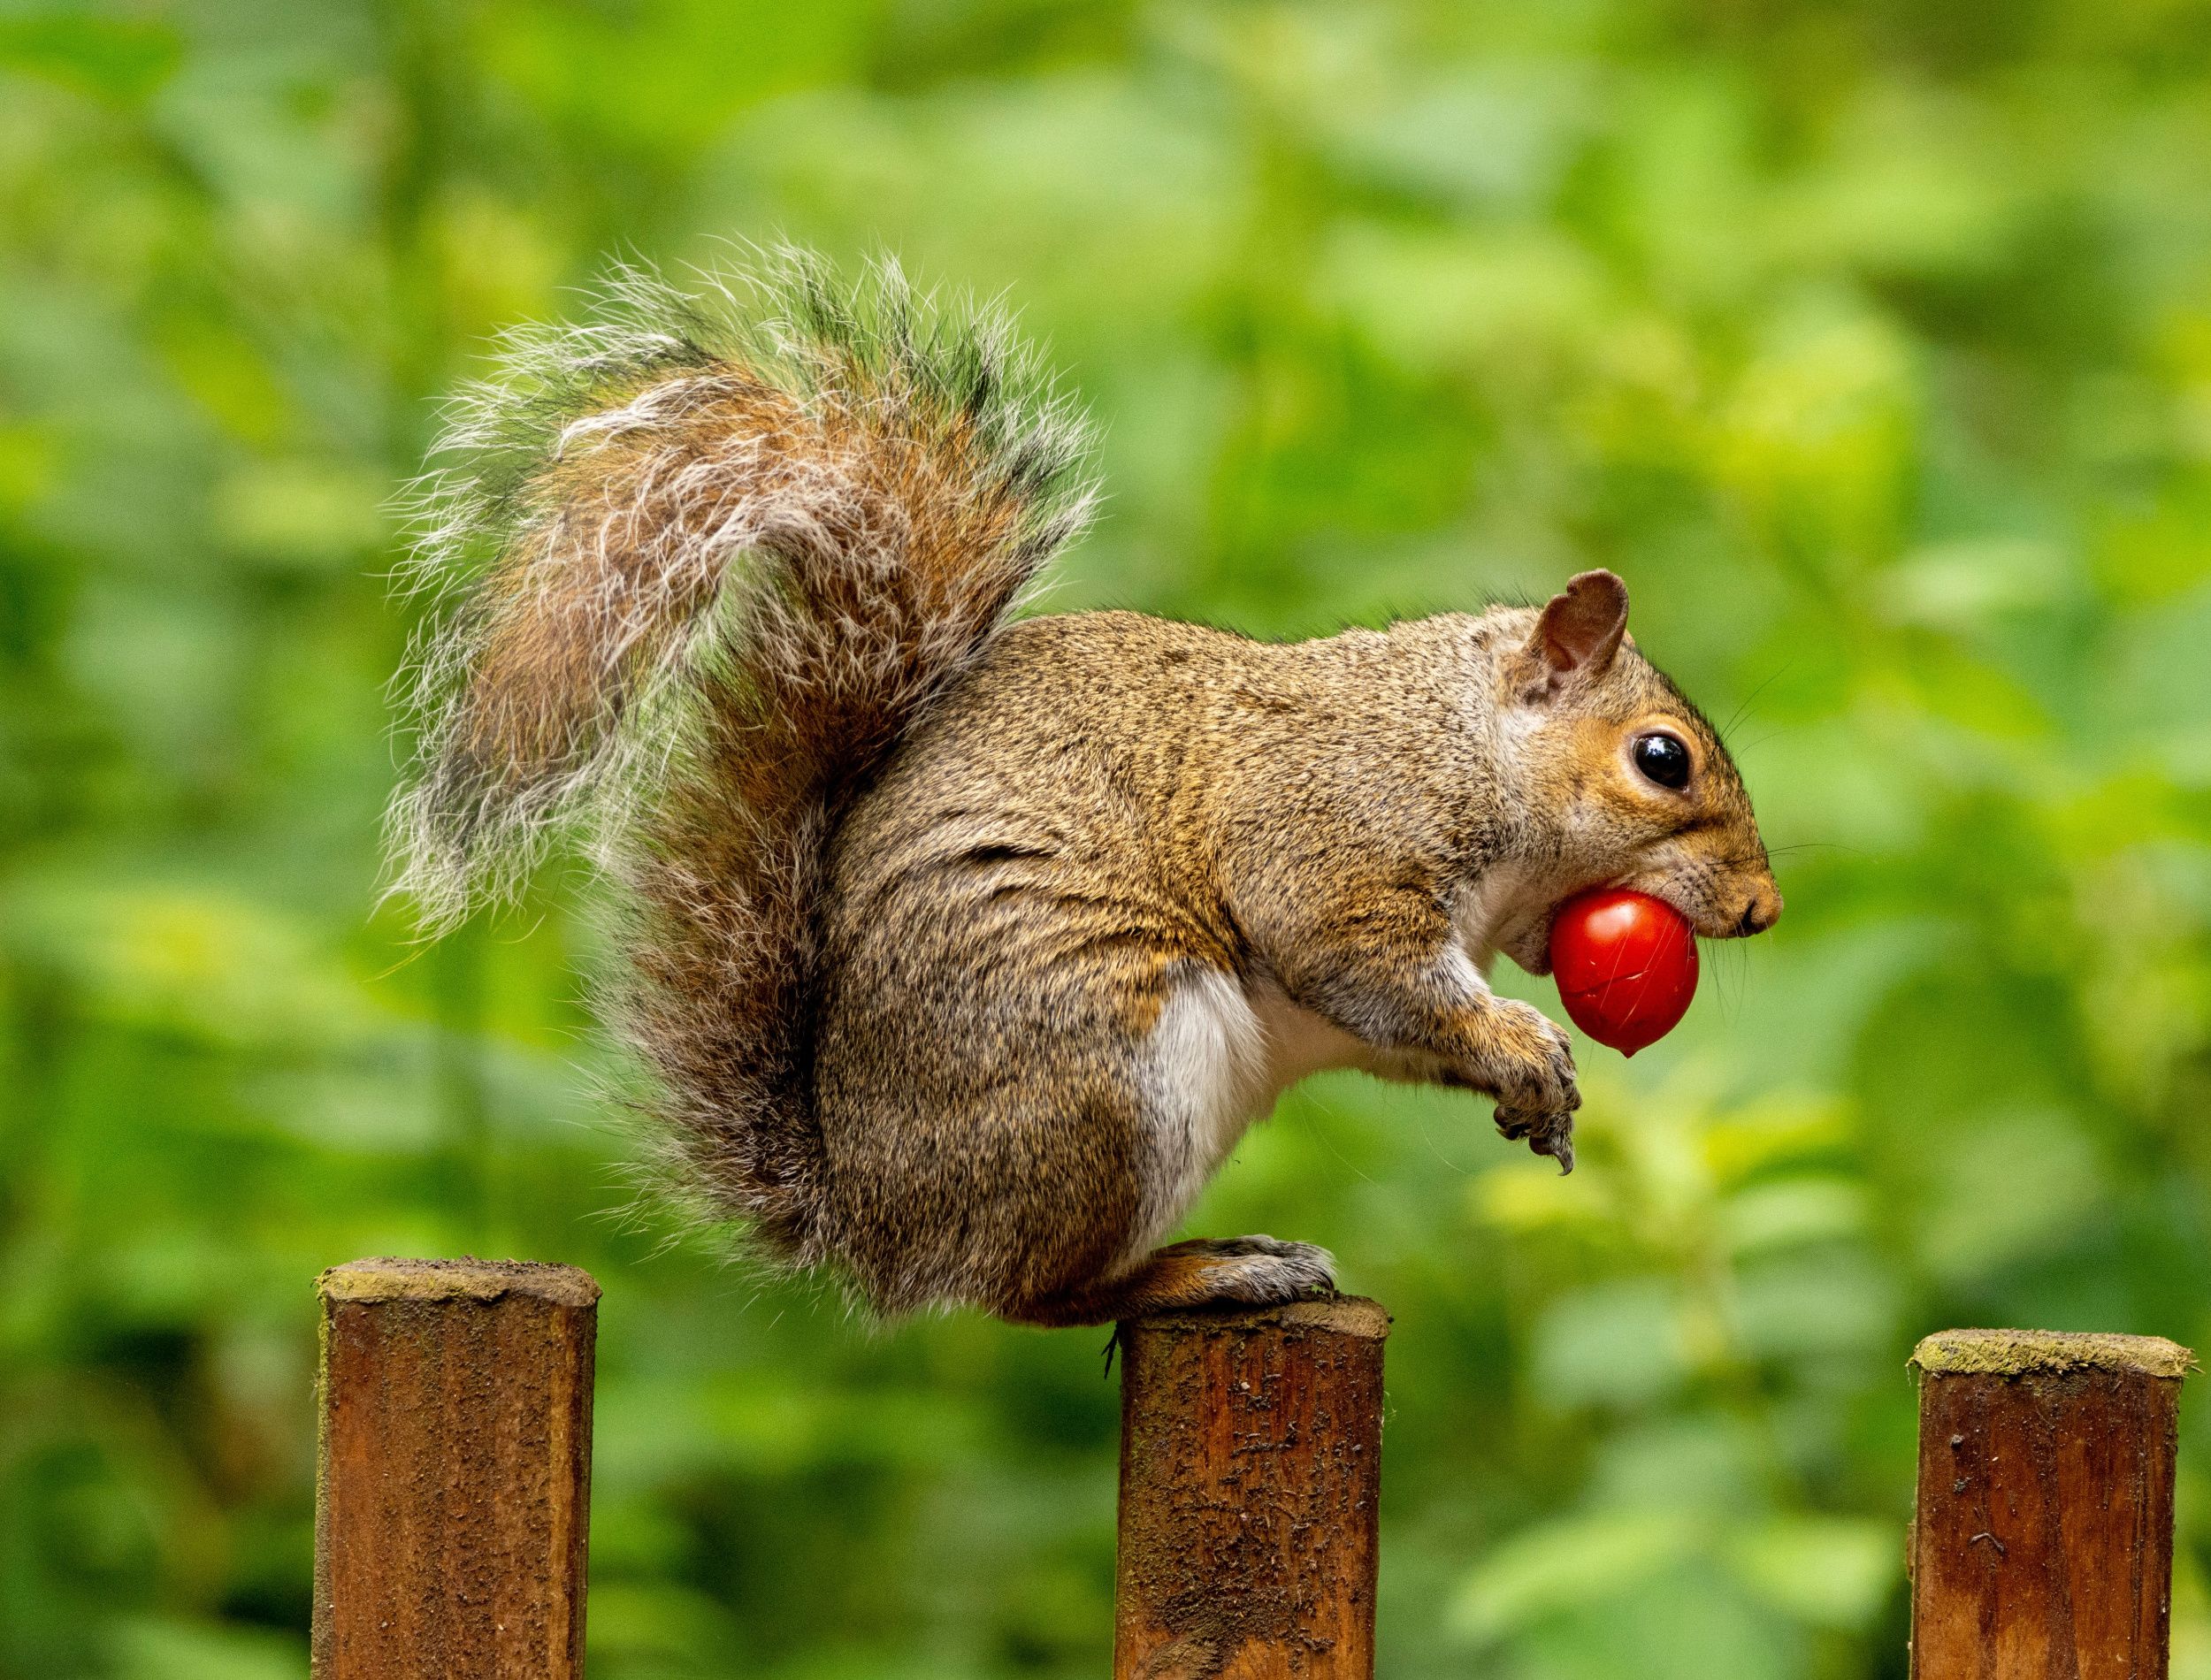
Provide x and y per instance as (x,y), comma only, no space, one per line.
(1664,759)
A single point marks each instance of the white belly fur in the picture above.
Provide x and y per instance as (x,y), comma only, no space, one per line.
(1220,1054)
(1216,1059)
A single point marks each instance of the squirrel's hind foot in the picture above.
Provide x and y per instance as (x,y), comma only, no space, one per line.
(1255,1271)
(1228,1271)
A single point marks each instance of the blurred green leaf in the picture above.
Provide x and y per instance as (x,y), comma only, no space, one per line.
(1619,1344)
(121,58)
(1790,1211)
(1567,1564)
(1828,1570)
(160,1650)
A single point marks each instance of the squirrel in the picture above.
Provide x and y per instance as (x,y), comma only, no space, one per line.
(963,945)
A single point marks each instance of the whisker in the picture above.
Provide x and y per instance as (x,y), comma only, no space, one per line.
(1736,716)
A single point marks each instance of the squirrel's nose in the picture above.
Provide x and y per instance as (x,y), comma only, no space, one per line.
(1763,910)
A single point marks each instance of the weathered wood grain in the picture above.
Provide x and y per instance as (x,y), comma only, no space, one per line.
(1250,1468)
(454,1493)
(2043,1545)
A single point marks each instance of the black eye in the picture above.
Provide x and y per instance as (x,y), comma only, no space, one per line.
(1664,759)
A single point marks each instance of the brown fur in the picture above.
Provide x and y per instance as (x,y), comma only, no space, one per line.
(1107,802)
(963,948)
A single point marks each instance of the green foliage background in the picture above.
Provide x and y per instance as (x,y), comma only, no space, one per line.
(1871,342)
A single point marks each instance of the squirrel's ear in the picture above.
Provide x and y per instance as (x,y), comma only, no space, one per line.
(1578,632)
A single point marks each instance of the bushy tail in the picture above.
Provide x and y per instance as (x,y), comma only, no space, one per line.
(705,558)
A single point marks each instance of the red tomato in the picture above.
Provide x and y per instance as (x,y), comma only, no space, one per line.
(1625,964)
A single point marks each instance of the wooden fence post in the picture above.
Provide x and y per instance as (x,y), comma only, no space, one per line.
(1251,1457)
(453,1493)
(2043,1544)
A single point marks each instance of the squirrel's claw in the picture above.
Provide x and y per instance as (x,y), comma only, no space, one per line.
(1559,1145)
(1551,1134)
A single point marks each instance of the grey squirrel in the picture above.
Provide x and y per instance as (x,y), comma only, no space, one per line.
(962,946)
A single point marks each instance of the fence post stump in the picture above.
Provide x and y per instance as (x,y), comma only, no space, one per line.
(452,1497)
(1251,1457)
(2044,1540)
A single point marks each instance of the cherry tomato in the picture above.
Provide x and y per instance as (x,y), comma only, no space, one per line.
(1625,964)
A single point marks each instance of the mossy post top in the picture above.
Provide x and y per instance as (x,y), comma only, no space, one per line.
(468,1278)
(2030,1352)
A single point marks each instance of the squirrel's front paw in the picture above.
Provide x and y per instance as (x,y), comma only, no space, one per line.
(1526,1061)
(1528,1066)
